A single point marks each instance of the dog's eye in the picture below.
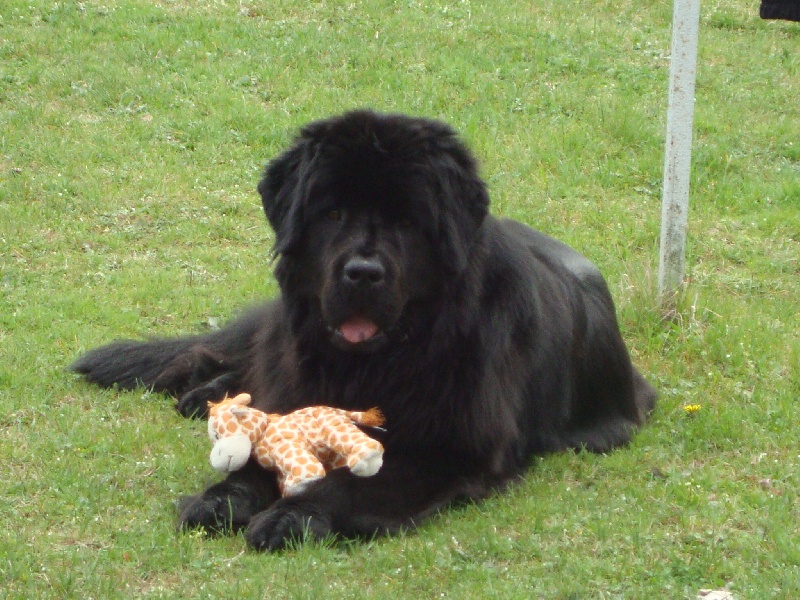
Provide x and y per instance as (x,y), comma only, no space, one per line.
(335,215)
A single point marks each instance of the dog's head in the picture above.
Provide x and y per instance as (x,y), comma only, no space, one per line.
(372,215)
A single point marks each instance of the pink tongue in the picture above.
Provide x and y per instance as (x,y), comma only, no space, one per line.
(357,330)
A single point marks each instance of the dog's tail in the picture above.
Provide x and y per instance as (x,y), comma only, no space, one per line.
(170,365)
(129,364)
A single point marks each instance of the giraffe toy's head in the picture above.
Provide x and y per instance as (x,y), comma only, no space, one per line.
(235,428)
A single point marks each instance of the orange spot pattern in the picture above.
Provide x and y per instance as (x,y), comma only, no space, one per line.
(302,445)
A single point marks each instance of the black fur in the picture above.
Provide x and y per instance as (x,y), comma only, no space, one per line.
(485,342)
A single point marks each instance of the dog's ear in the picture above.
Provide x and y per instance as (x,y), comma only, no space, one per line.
(464,201)
(281,196)
(284,186)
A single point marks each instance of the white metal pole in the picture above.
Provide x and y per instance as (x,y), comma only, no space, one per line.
(678,152)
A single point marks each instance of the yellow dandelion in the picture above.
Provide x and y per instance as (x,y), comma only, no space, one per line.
(690,409)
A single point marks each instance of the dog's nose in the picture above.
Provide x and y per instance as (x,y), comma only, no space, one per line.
(364,271)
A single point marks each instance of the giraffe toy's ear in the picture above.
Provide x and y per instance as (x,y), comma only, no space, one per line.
(240,411)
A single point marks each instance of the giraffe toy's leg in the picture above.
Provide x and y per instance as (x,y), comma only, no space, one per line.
(299,467)
(368,463)
(364,454)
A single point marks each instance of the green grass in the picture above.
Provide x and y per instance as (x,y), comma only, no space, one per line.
(132,134)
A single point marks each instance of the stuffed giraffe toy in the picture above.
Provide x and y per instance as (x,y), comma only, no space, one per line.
(300,446)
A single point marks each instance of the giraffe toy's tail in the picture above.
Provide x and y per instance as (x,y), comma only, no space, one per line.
(369,418)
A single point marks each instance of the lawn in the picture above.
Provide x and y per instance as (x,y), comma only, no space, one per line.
(132,134)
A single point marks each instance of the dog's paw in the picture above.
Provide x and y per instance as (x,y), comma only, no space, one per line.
(212,514)
(194,404)
(286,524)
(227,506)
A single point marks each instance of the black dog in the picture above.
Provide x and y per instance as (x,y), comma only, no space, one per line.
(483,341)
